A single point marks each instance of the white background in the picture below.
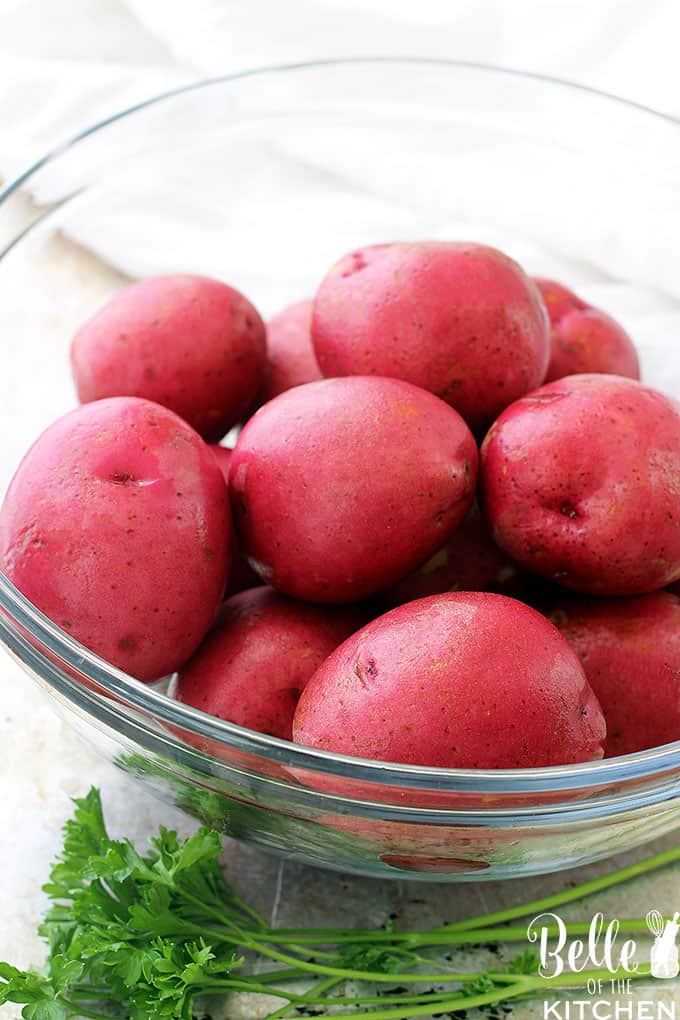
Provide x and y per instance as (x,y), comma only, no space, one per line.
(64,63)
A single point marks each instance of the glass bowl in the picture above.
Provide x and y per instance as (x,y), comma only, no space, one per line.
(264,179)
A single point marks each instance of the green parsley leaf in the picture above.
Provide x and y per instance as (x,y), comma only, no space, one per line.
(139,935)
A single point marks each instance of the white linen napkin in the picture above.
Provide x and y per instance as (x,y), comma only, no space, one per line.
(60,71)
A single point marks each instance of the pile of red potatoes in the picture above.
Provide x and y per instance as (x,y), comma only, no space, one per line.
(447,533)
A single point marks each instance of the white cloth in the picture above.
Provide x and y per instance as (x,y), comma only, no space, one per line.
(62,67)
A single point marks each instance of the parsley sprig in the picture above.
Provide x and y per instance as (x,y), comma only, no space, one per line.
(140,936)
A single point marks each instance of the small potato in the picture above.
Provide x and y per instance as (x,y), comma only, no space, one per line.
(462,680)
(256,662)
(460,320)
(241,574)
(583,338)
(470,561)
(189,343)
(343,486)
(290,356)
(116,525)
(581,483)
(630,650)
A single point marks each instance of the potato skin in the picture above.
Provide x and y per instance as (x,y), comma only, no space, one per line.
(341,487)
(630,650)
(257,660)
(290,356)
(241,574)
(460,320)
(190,343)
(581,483)
(470,561)
(461,680)
(583,338)
(116,525)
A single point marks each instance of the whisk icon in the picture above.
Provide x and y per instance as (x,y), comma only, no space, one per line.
(665,961)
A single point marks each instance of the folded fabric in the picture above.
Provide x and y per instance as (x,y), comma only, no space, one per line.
(153,198)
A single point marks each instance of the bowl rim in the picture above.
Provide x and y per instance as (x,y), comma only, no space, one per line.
(152,701)
(309,65)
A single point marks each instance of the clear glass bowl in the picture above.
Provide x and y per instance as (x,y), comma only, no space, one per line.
(264,179)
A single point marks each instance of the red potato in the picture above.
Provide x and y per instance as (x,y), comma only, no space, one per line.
(417,846)
(630,650)
(241,574)
(189,343)
(583,338)
(254,665)
(290,356)
(463,680)
(581,483)
(341,487)
(470,561)
(116,525)
(460,320)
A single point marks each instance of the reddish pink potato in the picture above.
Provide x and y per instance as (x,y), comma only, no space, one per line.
(581,482)
(189,343)
(460,320)
(254,665)
(583,338)
(464,680)
(290,356)
(343,486)
(417,846)
(241,574)
(470,561)
(630,650)
(116,525)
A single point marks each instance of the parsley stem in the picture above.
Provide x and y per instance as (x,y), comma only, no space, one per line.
(278,976)
(78,1010)
(89,992)
(524,986)
(315,991)
(408,1010)
(442,936)
(260,941)
(577,892)
(323,986)
(216,913)
(432,998)
(277,1013)
(256,945)
(576,979)
(274,976)
(244,984)
(361,975)
(247,909)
